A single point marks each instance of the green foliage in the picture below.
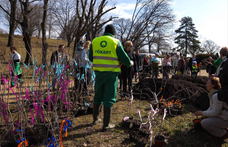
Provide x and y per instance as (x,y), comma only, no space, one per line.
(187,36)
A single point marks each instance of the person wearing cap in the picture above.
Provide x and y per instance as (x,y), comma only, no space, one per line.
(105,52)
(195,69)
(16,69)
(190,63)
(155,61)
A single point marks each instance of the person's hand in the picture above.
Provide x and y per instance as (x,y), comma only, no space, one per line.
(132,63)
(136,74)
(212,75)
(198,113)
(202,118)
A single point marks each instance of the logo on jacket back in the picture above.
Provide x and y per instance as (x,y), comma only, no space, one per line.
(103,44)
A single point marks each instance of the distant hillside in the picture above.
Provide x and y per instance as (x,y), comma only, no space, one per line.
(36,47)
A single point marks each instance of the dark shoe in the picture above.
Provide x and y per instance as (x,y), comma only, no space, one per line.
(95,113)
(106,120)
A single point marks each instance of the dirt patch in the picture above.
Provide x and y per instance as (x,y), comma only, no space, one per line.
(185,88)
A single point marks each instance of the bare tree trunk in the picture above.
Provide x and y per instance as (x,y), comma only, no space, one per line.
(43,27)
(11,36)
(68,42)
(26,35)
(49,33)
(27,42)
(38,34)
(13,5)
(75,46)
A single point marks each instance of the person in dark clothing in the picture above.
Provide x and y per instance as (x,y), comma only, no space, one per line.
(211,69)
(180,65)
(155,62)
(59,60)
(216,56)
(137,64)
(145,62)
(127,72)
(192,61)
(223,78)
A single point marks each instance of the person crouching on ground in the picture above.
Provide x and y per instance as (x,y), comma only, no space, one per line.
(216,120)
(105,52)
(15,60)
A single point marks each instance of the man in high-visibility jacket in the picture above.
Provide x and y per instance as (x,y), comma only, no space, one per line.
(105,53)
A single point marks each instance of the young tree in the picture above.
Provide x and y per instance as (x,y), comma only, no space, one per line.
(187,36)
(210,47)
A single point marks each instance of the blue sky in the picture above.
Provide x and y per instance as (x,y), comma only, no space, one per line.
(209,16)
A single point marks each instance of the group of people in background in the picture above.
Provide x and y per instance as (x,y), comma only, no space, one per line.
(81,66)
(186,66)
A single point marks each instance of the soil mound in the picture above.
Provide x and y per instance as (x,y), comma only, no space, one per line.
(185,88)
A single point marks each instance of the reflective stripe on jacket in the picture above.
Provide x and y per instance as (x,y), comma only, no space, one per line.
(104,54)
(194,69)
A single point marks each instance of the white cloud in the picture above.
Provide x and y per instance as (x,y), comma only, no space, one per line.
(123,10)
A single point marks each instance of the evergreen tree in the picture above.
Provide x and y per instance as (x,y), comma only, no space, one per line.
(187,36)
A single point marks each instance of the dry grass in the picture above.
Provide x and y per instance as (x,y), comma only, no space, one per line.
(36,49)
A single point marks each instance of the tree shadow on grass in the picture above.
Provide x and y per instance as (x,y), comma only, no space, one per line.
(81,126)
(192,138)
(80,135)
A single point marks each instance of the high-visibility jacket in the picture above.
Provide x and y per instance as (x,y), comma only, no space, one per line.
(104,54)
(194,69)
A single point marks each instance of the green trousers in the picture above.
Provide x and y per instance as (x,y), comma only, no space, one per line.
(16,71)
(106,84)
